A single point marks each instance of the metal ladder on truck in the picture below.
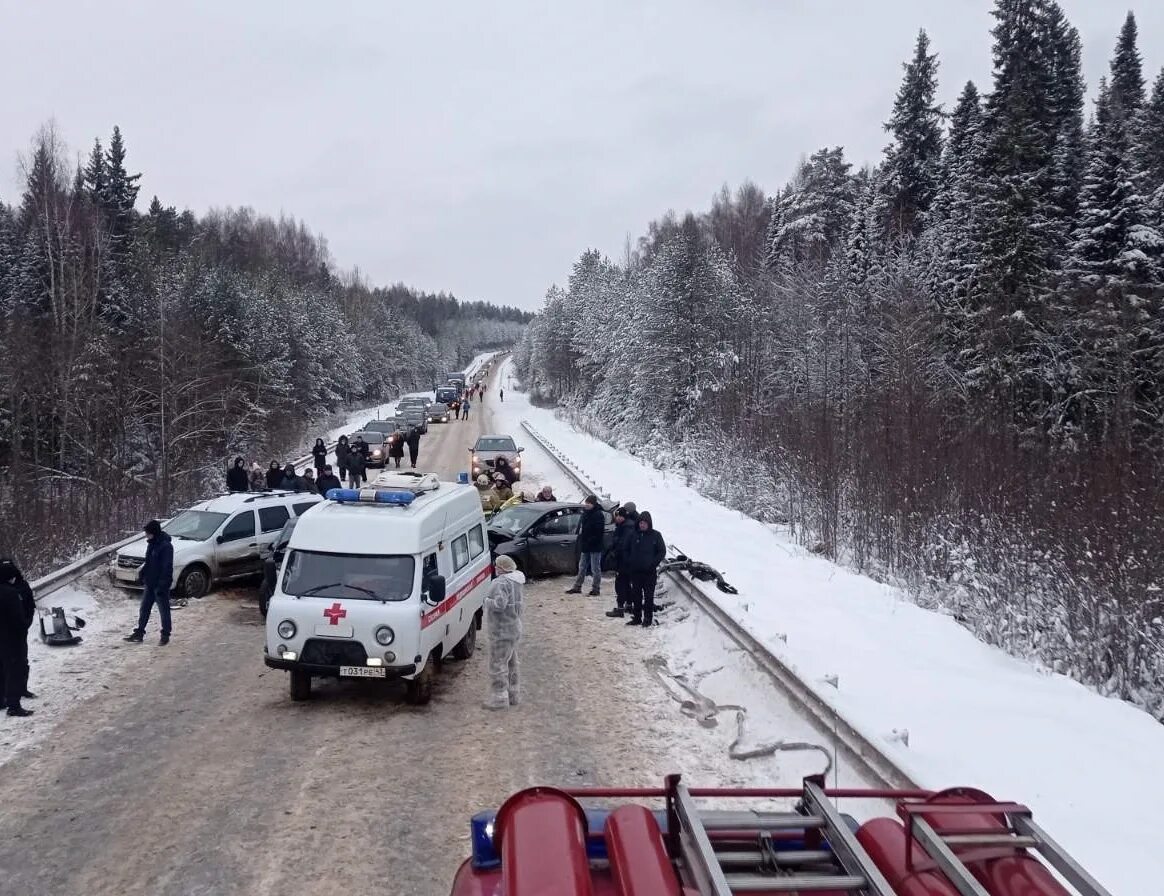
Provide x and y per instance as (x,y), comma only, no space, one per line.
(1019,832)
(842,866)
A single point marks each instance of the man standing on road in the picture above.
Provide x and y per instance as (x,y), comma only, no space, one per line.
(465,406)
(647,551)
(327,481)
(413,445)
(501,394)
(157,574)
(626,521)
(357,464)
(503,606)
(17,610)
(591,529)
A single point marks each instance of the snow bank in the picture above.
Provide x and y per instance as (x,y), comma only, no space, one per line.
(1087,765)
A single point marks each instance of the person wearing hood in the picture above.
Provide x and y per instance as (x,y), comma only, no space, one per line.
(274,475)
(236,477)
(499,494)
(17,610)
(626,522)
(503,607)
(646,551)
(357,463)
(396,447)
(292,482)
(258,481)
(342,452)
(157,574)
(319,455)
(327,481)
(413,445)
(546,494)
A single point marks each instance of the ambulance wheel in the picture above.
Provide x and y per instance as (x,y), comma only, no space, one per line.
(419,689)
(195,582)
(467,644)
(300,685)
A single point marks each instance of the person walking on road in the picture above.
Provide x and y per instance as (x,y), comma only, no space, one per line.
(342,452)
(647,551)
(626,521)
(319,456)
(236,477)
(503,606)
(591,530)
(501,394)
(17,610)
(357,462)
(157,575)
(274,475)
(413,445)
(466,405)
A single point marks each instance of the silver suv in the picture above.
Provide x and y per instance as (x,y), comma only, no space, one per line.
(489,449)
(218,540)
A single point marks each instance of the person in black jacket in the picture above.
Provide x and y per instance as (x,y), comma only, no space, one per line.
(413,445)
(157,574)
(327,481)
(643,557)
(342,452)
(292,481)
(237,479)
(357,463)
(591,530)
(274,475)
(626,521)
(17,610)
(319,455)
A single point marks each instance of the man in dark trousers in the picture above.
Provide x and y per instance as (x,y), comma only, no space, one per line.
(647,551)
(157,574)
(413,445)
(626,521)
(237,479)
(17,610)
(591,530)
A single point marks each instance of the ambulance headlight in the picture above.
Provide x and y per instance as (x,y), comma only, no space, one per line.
(384,635)
(286,629)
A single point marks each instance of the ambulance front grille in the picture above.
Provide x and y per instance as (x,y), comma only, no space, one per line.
(326,652)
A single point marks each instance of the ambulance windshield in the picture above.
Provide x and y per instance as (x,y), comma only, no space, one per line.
(348,576)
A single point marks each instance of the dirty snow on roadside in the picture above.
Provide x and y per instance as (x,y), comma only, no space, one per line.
(974,715)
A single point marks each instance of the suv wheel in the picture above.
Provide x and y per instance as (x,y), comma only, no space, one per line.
(419,689)
(467,644)
(194,582)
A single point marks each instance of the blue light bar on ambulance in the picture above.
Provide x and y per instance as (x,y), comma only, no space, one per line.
(370,496)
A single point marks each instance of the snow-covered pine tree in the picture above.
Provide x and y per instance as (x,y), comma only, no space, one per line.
(910,172)
(1150,140)
(811,218)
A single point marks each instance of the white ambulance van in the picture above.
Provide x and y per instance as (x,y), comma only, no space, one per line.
(381,582)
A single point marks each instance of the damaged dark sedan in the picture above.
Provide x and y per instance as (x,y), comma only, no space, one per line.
(542,537)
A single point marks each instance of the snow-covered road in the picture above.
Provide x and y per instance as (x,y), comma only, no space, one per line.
(187,770)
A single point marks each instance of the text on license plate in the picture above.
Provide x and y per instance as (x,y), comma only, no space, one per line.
(362,671)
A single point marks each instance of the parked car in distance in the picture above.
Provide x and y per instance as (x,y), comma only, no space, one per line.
(488,449)
(415,417)
(542,538)
(437,412)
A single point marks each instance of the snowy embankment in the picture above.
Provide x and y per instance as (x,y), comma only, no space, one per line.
(1086,765)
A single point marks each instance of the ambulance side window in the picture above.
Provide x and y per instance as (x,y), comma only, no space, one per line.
(476,542)
(460,553)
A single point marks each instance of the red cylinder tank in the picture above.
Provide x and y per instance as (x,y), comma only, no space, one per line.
(541,837)
(638,857)
(884,840)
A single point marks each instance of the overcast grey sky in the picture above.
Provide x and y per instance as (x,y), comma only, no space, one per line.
(479,147)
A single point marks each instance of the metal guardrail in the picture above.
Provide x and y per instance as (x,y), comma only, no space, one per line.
(57,579)
(858,750)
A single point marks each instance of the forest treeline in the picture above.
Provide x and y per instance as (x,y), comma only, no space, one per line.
(139,351)
(946,369)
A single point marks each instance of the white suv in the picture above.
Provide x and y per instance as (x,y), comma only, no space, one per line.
(218,540)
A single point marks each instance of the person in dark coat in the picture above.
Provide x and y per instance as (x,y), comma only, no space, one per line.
(17,610)
(413,445)
(359,446)
(237,479)
(357,463)
(292,481)
(274,475)
(591,529)
(546,494)
(157,575)
(396,449)
(319,455)
(626,522)
(258,482)
(647,550)
(342,452)
(327,481)
(308,479)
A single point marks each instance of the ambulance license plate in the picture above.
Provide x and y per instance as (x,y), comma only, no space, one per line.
(361,671)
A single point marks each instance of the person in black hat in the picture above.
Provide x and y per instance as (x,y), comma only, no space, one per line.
(17,610)
(157,574)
